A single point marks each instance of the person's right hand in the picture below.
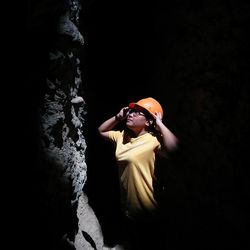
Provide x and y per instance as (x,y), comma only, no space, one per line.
(122,113)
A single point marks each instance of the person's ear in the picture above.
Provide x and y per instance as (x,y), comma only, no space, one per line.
(149,122)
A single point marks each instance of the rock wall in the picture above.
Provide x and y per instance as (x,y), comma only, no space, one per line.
(64,217)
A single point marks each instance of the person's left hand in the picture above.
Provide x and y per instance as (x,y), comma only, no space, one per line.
(158,120)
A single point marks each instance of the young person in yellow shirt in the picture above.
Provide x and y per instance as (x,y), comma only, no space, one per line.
(144,138)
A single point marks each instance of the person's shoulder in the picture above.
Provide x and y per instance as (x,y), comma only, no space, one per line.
(156,135)
(116,133)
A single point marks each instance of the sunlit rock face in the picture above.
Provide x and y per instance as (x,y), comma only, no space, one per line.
(64,214)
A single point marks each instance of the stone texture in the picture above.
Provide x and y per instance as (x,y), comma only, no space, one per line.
(89,235)
(68,220)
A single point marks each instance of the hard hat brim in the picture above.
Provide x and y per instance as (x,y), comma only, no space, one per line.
(134,105)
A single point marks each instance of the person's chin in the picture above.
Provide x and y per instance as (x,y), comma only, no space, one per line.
(129,124)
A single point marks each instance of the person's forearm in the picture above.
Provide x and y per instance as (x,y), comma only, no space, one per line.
(170,141)
(114,120)
(108,124)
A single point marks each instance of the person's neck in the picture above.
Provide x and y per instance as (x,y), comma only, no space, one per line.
(137,133)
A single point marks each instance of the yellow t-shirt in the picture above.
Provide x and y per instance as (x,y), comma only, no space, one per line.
(136,160)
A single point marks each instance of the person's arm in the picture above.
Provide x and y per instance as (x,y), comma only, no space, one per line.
(170,141)
(109,124)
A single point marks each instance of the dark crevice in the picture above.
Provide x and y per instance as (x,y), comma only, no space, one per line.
(89,239)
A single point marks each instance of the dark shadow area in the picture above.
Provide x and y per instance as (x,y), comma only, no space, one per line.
(193,58)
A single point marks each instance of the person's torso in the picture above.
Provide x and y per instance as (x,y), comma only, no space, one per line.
(136,160)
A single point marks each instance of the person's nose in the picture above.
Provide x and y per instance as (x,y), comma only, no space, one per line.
(132,114)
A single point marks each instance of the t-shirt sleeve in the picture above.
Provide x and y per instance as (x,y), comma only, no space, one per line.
(157,144)
(114,135)
(159,148)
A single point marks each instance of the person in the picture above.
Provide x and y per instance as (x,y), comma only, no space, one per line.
(143,138)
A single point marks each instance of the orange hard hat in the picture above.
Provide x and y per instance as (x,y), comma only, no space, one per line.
(150,104)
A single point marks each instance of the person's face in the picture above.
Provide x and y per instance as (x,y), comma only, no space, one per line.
(136,118)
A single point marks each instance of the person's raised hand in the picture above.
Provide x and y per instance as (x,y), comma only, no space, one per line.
(122,113)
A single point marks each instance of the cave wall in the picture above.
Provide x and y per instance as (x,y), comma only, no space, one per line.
(60,209)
